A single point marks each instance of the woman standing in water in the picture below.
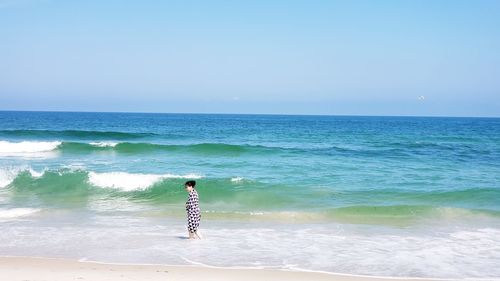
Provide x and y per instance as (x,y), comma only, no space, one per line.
(193,210)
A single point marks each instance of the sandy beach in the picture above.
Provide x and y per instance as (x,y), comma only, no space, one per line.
(51,269)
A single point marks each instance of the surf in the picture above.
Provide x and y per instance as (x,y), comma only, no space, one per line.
(7,148)
(239,197)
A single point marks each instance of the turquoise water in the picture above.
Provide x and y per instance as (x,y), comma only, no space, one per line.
(350,190)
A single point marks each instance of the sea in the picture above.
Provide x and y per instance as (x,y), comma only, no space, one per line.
(364,195)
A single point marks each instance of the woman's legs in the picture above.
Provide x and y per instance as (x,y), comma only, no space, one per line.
(193,223)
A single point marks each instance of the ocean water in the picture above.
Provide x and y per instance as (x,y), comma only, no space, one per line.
(385,196)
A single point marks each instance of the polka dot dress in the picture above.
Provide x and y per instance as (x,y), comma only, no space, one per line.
(193,211)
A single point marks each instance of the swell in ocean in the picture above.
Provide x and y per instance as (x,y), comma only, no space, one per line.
(240,198)
(389,149)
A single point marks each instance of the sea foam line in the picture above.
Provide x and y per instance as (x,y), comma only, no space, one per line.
(7,175)
(119,180)
(104,144)
(28,146)
(17,212)
(129,182)
(236,179)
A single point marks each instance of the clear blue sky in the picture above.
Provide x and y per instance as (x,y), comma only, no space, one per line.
(298,57)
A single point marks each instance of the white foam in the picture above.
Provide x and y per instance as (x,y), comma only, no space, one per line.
(17,212)
(75,166)
(236,179)
(7,175)
(462,253)
(128,182)
(7,147)
(36,174)
(104,144)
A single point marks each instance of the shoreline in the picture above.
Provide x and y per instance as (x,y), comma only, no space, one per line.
(14,268)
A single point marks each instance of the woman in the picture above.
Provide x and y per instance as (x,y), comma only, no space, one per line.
(193,210)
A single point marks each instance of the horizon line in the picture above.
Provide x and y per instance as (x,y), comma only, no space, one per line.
(263,114)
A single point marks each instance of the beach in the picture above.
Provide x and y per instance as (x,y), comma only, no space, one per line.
(45,269)
(402,197)
(296,140)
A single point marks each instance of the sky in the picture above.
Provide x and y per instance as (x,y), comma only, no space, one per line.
(418,58)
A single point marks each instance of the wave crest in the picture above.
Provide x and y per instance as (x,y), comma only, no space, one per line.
(7,147)
(7,176)
(104,144)
(129,182)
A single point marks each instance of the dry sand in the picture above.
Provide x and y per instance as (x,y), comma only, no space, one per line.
(51,269)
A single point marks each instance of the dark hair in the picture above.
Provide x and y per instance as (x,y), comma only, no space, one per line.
(191,183)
